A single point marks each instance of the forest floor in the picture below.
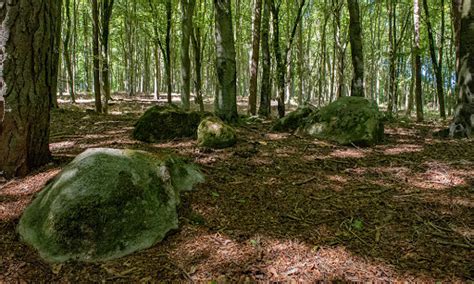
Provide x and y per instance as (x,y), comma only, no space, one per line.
(277,207)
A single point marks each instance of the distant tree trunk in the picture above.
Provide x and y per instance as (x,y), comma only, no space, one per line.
(187,10)
(255,58)
(266,88)
(281,58)
(86,52)
(392,34)
(28,37)
(417,50)
(169,82)
(226,100)
(355,32)
(96,54)
(68,53)
(197,47)
(437,64)
(464,114)
(107,6)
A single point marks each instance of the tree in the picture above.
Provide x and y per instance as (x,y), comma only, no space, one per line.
(226,100)
(355,33)
(96,55)
(281,57)
(255,58)
(27,82)
(265,91)
(187,7)
(464,113)
(417,51)
(437,63)
(106,15)
(67,52)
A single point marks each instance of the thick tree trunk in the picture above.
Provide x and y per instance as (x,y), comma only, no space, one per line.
(96,54)
(463,123)
(226,100)
(255,58)
(355,32)
(265,91)
(187,7)
(417,50)
(27,78)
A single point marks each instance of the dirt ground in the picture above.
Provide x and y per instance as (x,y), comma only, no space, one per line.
(277,207)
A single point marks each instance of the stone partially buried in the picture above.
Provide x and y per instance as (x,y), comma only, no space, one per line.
(107,203)
(347,121)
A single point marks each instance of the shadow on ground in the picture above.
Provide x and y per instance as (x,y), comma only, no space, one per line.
(278,207)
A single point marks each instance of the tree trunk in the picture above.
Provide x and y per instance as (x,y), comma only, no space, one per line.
(355,32)
(197,47)
(226,100)
(27,81)
(107,6)
(187,7)
(96,54)
(255,58)
(68,54)
(464,114)
(417,50)
(438,69)
(266,88)
(169,82)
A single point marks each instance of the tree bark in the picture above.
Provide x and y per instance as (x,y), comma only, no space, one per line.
(417,50)
(255,58)
(68,54)
(265,91)
(226,100)
(355,32)
(437,64)
(197,47)
(96,54)
(27,80)
(187,9)
(464,113)
(169,80)
(107,6)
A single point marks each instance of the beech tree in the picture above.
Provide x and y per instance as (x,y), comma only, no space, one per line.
(27,82)
(355,32)
(226,100)
(464,113)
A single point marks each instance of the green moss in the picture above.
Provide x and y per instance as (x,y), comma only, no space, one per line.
(349,120)
(213,133)
(294,119)
(167,122)
(105,204)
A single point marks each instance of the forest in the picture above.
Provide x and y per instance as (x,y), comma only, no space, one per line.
(236,141)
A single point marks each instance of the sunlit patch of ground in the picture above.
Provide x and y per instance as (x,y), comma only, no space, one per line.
(276,207)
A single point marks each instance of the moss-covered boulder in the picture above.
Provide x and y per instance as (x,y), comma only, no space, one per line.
(167,122)
(105,204)
(349,120)
(294,119)
(213,133)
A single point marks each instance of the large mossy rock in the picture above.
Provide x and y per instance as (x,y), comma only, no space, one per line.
(294,119)
(214,133)
(349,120)
(105,204)
(167,122)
